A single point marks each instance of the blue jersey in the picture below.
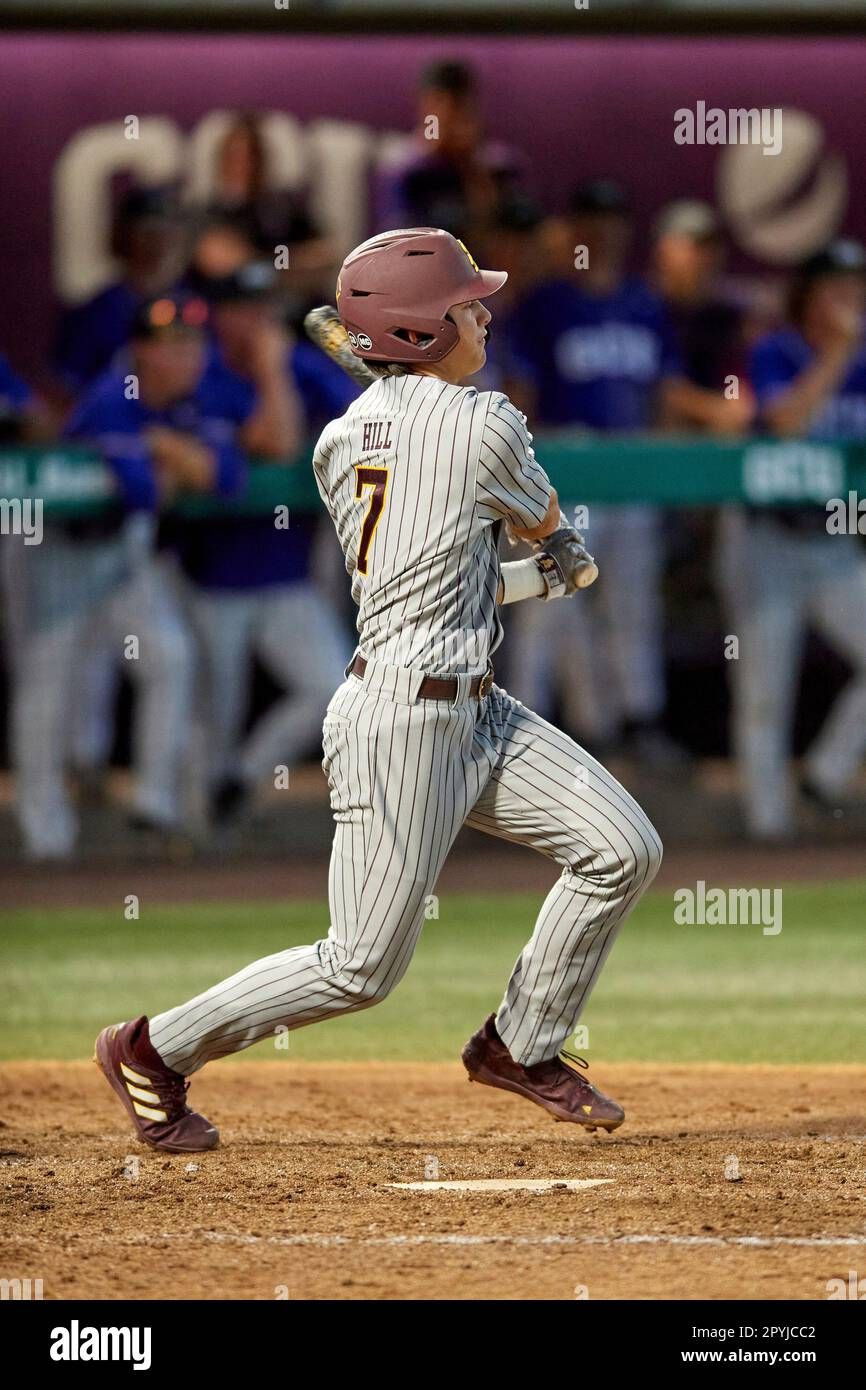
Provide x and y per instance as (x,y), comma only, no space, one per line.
(594,360)
(220,404)
(92,333)
(15,394)
(250,552)
(15,399)
(779,358)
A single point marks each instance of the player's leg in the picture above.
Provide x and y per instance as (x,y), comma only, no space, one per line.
(632,556)
(96,680)
(41,668)
(224,623)
(402,776)
(162,672)
(42,639)
(300,642)
(547,792)
(838,608)
(762,580)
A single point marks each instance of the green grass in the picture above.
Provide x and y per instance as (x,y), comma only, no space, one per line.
(668,992)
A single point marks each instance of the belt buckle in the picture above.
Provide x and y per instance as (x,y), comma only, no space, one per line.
(486,683)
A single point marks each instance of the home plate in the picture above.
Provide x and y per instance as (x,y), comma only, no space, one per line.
(503,1185)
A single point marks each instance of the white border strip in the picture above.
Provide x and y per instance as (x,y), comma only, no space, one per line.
(502,1185)
(320,1240)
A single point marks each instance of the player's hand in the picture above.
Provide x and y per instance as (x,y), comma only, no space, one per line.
(844,329)
(565,563)
(182,462)
(268,348)
(735,416)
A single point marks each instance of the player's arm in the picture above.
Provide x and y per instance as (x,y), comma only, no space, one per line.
(512,486)
(276,427)
(552,519)
(788,407)
(182,462)
(560,566)
(684,403)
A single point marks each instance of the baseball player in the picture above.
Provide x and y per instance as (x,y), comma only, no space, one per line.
(179,431)
(419,475)
(783,569)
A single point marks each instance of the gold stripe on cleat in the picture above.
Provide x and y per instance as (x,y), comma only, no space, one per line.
(150,1096)
(135,1075)
(147,1113)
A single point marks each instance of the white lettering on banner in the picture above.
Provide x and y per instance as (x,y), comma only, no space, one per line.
(81,195)
(798,471)
(617,350)
(333,158)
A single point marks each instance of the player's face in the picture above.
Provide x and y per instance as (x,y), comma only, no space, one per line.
(237,324)
(683,261)
(606,236)
(469,352)
(834,297)
(170,367)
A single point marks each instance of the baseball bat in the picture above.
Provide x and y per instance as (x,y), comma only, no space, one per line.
(323,327)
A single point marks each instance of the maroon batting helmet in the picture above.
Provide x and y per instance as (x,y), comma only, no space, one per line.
(403,282)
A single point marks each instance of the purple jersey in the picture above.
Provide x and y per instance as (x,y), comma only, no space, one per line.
(250,552)
(594,360)
(779,358)
(106,418)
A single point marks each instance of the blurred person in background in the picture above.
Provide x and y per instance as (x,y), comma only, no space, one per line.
(221,244)
(513,244)
(24,416)
(452,177)
(782,570)
(166,425)
(595,350)
(270,217)
(253,591)
(688,254)
(150,243)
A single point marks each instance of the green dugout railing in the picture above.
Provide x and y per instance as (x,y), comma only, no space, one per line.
(670,471)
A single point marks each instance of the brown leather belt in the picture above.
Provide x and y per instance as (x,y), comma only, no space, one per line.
(437,687)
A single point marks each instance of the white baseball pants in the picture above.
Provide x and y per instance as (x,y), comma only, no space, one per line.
(404,775)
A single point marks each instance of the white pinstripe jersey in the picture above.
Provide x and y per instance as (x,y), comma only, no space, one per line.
(416,475)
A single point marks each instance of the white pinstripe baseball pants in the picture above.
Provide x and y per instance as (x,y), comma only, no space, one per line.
(404,775)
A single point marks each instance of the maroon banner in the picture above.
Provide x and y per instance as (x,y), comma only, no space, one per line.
(659,114)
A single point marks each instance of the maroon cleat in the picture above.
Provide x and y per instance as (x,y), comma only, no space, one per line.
(153,1094)
(553,1085)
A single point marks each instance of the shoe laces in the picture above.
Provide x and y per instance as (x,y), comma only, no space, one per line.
(172,1091)
(573,1057)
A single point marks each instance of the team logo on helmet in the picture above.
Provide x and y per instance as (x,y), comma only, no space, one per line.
(468,255)
(365,342)
(353,339)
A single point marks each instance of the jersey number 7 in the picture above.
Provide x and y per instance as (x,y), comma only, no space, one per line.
(367,476)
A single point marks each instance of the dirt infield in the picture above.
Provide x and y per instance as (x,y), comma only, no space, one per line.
(296,1203)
